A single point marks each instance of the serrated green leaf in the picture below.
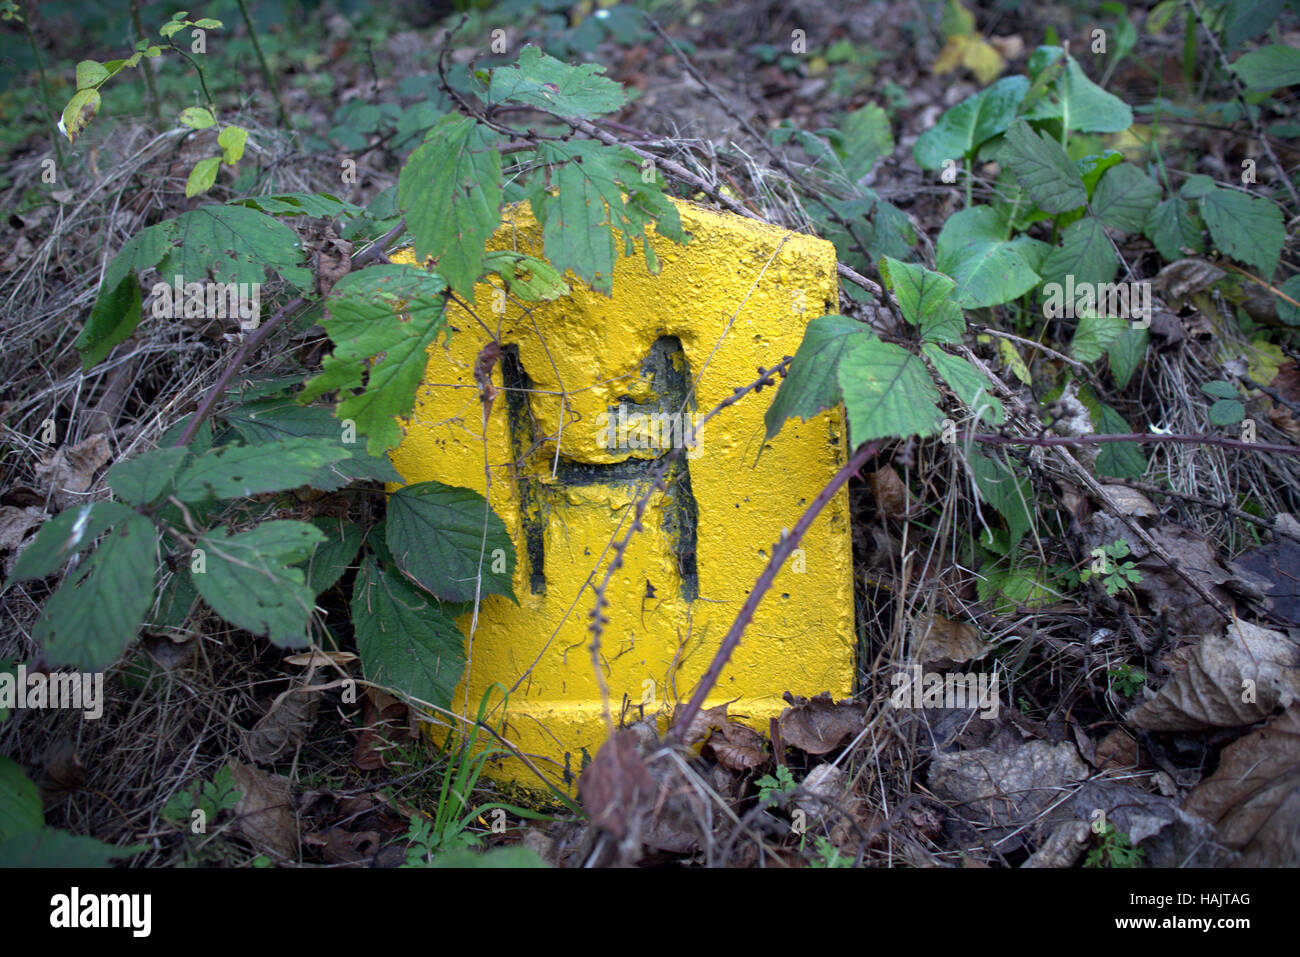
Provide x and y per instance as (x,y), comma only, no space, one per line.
(1126,354)
(1171,225)
(527,277)
(555,87)
(249,579)
(1288,313)
(971,385)
(238,471)
(1247,228)
(100,606)
(405,640)
(311,205)
(52,848)
(117,310)
(71,531)
(887,391)
(269,419)
(1125,197)
(391,311)
(440,538)
(925,298)
(1010,494)
(812,383)
(1267,68)
(1085,253)
(197,117)
(1094,335)
(971,122)
(332,558)
(1043,168)
(973,248)
(450,191)
(1227,412)
(1114,459)
(1219,389)
(141,480)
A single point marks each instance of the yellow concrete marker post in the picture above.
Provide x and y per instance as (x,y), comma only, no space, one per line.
(604,378)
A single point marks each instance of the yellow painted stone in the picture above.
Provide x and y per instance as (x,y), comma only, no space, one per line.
(737,297)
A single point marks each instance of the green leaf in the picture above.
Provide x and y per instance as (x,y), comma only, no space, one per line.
(90,73)
(147,477)
(71,531)
(49,848)
(974,250)
(1267,68)
(555,87)
(1247,228)
(1114,459)
(202,176)
(238,471)
(517,856)
(866,138)
(405,640)
(1092,166)
(1287,312)
(1094,335)
(117,310)
(1010,494)
(450,191)
(390,311)
(1125,197)
(1171,225)
(20,802)
(887,391)
(232,140)
(100,606)
(443,537)
(335,555)
(168,29)
(1085,252)
(207,23)
(1081,104)
(270,419)
(1227,412)
(971,385)
(1043,168)
(925,298)
(81,109)
(577,221)
(311,205)
(197,117)
(249,579)
(1126,354)
(812,384)
(1219,389)
(971,122)
(526,277)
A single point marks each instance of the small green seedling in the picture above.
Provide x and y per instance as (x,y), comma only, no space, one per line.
(1114,850)
(1114,575)
(1126,679)
(772,789)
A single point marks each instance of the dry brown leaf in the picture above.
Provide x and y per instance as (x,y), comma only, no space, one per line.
(942,642)
(284,727)
(14,524)
(333,261)
(1276,563)
(67,472)
(1181,279)
(264,814)
(1063,848)
(705,722)
(1231,679)
(316,658)
(616,788)
(1253,799)
(816,725)
(1007,788)
(737,747)
(889,492)
(1129,501)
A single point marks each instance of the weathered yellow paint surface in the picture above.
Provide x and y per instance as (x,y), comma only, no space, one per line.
(736,298)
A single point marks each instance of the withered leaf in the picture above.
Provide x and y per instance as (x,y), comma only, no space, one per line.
(816,725)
